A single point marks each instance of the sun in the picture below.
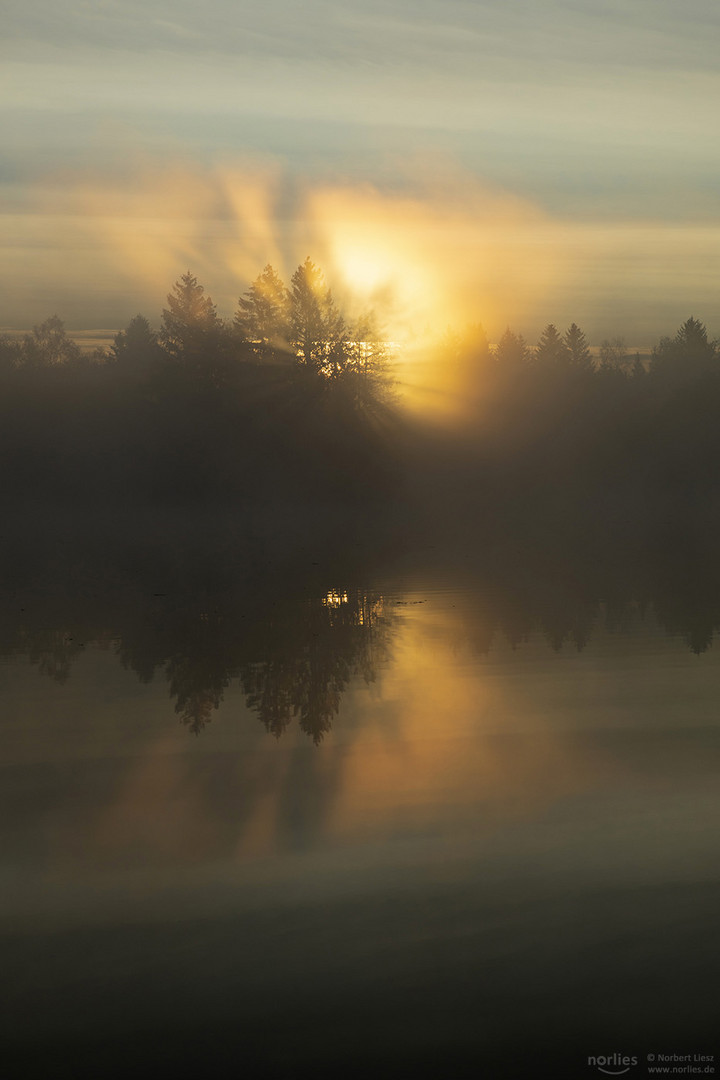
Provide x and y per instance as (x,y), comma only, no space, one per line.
(389,279)
(363,270)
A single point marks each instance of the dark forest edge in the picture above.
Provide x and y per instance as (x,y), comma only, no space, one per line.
(292,403)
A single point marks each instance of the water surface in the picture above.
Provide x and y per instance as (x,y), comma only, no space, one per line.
(403,816)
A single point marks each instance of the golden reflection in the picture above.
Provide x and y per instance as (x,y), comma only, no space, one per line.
(455,735)
(417,736)
(436,739)
(334,599)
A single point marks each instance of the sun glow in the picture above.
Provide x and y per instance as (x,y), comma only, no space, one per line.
(438,253)
(365,270)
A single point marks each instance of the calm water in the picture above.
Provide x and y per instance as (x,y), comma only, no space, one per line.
(407,822)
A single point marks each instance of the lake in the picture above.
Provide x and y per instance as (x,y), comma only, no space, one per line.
(315,808)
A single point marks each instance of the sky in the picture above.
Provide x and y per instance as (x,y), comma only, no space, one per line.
(447,161)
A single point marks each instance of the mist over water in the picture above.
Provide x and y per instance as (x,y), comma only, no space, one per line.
(403,793)
(359,453)
(384,723)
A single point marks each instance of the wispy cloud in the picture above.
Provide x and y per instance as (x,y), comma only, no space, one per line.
(433,249)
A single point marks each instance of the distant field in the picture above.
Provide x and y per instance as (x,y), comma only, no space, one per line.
(86,339)
(93,339)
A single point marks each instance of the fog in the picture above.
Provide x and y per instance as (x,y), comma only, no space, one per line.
(429,247)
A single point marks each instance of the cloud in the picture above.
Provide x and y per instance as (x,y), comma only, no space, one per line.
(433,250)
(430,248)
(440,34)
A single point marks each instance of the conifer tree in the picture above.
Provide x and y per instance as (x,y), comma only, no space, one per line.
(137,345)
(317,325)
(190,321)
(263,316)
(687,354)
(551,349)
(577,348)
(512,351)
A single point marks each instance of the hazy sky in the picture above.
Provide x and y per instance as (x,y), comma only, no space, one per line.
(530,161)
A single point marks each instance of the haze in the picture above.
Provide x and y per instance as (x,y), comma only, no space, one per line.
(454,161)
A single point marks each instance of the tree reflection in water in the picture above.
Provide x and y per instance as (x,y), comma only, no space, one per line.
(233,609)
(294,656)
(306,660)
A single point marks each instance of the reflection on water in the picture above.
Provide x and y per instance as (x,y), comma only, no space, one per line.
(295,638)
(483,837)
(306,656)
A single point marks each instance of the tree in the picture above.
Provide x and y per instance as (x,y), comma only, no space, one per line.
(49,345)
(358,363)
(263,318)
(316,324)
(512,352)
(137,346)
(551,349)
(577,348)
(190,321)
(469,363)
(686,355)
(194,335)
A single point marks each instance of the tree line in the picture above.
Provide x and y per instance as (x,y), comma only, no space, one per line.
(290,399)
(300,326)
(303,326)
(682,357)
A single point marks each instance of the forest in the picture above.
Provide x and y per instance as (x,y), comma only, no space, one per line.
(291,402)
(575,486)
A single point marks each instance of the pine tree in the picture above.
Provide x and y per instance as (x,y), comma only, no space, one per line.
(137,345)
(263,316)
(687,354)
(316,324)
(190,321)
(577,347)
(551,350)
(512,351)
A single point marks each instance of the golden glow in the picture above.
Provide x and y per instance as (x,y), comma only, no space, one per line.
(440,252)
(462,735)
(334,599)
(365,270)
(421,261)
(453,741)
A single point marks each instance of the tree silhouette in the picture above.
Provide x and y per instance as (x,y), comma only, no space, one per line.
(551,349)
(577,348)
(512,351)
(263,318)
(137,346)
(190,321)
(317,325)
(49,345)
(686,355)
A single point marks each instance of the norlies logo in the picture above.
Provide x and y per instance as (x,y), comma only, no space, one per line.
(613,1064)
